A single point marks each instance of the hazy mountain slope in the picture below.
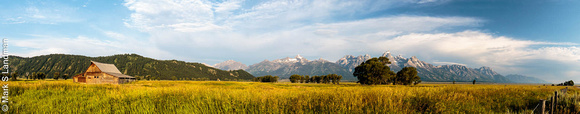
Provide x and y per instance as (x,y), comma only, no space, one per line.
(130,64)
(230,65)
(516,78)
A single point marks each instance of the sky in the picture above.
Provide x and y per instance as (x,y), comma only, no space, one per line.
(537,38)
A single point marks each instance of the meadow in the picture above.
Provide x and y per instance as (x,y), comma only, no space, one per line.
(203,97)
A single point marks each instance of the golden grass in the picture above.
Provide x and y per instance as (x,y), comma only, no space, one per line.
(251,97)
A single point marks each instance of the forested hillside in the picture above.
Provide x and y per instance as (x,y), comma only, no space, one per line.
(130,64)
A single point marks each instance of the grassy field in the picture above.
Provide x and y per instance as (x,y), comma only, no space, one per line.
(250,97)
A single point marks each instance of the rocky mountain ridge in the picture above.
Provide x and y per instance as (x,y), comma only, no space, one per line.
(286,67)
(345,66)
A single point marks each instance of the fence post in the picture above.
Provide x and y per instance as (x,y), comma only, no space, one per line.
(552,106)
(555,101)
(543,108)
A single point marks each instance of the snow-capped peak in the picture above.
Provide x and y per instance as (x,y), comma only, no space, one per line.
(299,57)
(386,54)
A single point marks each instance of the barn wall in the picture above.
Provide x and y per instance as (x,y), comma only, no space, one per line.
(93,68)
(98,78)
(122,81)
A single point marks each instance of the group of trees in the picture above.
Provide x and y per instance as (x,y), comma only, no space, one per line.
(147,77)
(12,76)
(375,71)
(567,83)
(36,75)
(267,78)
(330,78)
(57,75)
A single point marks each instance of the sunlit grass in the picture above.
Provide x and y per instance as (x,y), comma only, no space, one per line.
(251,97)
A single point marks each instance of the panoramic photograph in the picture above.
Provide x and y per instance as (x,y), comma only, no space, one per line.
(290,56)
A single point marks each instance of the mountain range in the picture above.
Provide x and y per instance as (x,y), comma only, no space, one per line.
(129,64)
(345,66)
(286,67)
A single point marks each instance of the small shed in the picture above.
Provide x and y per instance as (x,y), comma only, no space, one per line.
(98,73)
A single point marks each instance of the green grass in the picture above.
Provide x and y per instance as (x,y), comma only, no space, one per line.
(251,97)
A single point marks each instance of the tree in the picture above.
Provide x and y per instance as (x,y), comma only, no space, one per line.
(267,78)
(40,76)
(338,79)
(138,78)
(148,77)
(334,78)
(325,79)
(407,76)
(56,75)
(33,76)
(473,82)
(453,81)
(567,83)
(374,71)
(306,79)
(173,78)
(318,79)
(14,75)
(294,78)
(65,76)
(43,76)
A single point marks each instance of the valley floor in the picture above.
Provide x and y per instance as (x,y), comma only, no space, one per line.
(64,96)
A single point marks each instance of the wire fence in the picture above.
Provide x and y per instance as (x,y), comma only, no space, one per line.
(541,106)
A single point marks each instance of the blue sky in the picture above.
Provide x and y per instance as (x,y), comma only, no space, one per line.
(535,38)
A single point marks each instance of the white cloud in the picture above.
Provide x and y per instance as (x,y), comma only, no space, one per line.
(79,45)
(154,14)
(82,45)
(272,27)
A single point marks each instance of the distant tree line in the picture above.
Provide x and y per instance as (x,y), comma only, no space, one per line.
(37,76)
(267,78)
(376,71)
(330,78)
(567,83)
(57,75)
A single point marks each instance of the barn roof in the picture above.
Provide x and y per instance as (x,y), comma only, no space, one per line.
(107,68)
(110,69)
(120,75)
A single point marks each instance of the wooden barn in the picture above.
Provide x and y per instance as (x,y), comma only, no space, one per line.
(99,73)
